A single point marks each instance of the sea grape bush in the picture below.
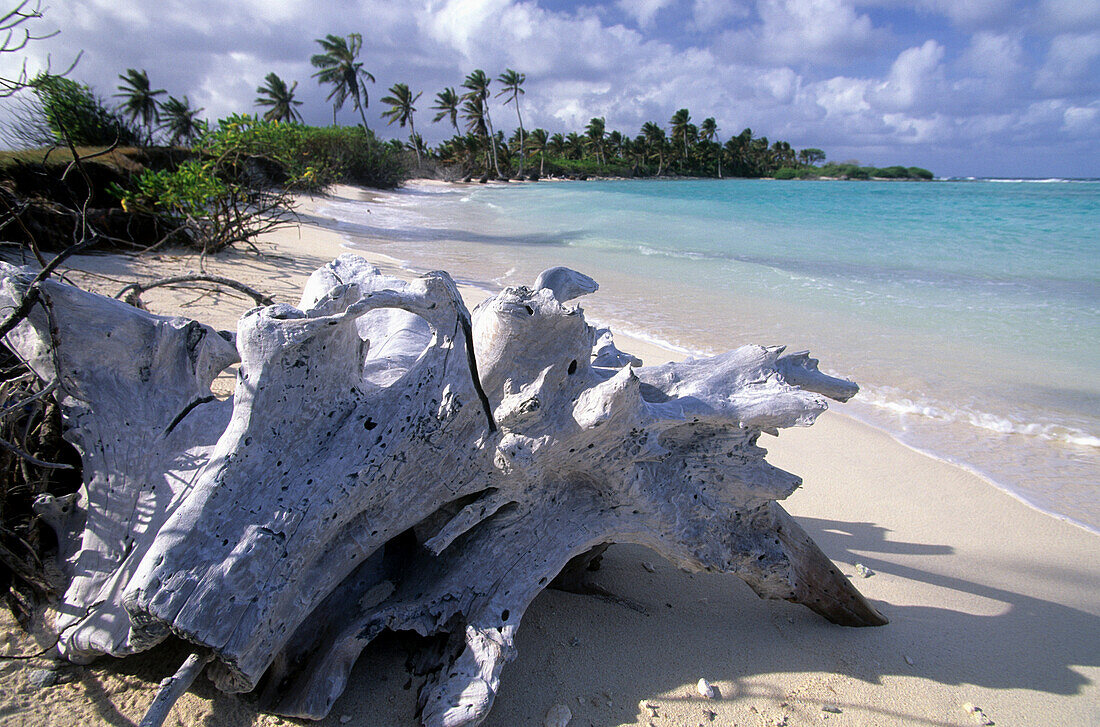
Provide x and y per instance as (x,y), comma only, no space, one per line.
(243,173)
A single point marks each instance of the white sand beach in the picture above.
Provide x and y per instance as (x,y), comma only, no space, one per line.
(991,603)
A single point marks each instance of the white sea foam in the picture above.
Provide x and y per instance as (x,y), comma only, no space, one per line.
(891,400)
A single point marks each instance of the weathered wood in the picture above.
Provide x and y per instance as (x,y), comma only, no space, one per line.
(135,395)
(391,462)
(174,687)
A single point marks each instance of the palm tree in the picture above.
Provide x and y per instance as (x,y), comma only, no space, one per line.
(655,140)
(477,85)
(556,145)
(275,94)
(595,132)
(537,141)
(679,123)
(473,110)
(512,83)
(401,110)
(446,103)
(709,132)
(574,145)
(139,99)
(181,121)
(339,66)
(416,141)
(615,143)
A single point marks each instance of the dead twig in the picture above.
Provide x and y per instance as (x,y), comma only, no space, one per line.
(4,444)
(132,292)
(172,688)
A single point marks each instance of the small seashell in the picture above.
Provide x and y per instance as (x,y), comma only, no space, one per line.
(830,708)
(558,716)
(909,660)
(648,566)
(979,716)
(864,571)
(706,689)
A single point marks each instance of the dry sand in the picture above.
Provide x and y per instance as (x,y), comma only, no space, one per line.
(991,603)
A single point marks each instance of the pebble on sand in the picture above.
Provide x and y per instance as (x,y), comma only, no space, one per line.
(558,716)
(706,689)
(864,571)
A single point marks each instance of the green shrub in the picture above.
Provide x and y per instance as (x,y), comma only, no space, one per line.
(796,173)
(346,154)
(240,181)
(70,108)
(892,173)
(918,173)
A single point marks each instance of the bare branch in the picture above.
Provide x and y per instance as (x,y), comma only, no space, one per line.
(4,444)
(132,292)
(172,688)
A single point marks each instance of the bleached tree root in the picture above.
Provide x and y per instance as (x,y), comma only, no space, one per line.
(391,462)
(174,687)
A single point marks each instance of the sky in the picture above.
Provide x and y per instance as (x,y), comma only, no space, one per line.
(1007,88)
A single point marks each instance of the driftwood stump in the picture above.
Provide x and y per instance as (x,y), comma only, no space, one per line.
(390,462)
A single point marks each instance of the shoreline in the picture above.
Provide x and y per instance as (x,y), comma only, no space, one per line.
(489,285)
(991,602)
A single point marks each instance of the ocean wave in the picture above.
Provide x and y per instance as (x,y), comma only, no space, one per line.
(646,337)
(678,254)
(1027,180)
(895,402)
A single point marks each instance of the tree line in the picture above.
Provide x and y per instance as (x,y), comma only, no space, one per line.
(680,147)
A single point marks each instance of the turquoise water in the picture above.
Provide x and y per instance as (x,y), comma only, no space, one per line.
(969,311)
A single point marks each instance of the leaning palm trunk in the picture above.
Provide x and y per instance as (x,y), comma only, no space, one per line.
(412,138)
(492,141)
(522,149)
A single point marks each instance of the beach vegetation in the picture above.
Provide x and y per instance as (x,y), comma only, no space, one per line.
(594,133)
(59,111)
(242,173)
(511,89)
(181,122)
(536,144)
(476,99)
(401,111)
(279,99)
(139,100)
(446,106)
(708,135)
(340,67)
(811,156)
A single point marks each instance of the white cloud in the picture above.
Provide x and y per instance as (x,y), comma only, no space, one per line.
(643,12)
(991,71)
(842,96)
(707,15)
(1070,15)
(971,14)
(993,54)
(758,63)
(914,79)
(1070,61)
(1082,120)
(805,31)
